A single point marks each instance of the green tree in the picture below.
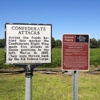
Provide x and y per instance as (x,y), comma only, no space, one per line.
(2,43)
(53,42)
(98,43)
(58,43)
(93,43)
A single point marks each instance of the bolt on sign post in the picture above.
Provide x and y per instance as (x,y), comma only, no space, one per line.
(75,56)
(29,45)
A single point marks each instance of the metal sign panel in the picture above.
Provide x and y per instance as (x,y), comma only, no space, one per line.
(75,52)
(28,43)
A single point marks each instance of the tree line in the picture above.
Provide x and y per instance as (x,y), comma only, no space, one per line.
(58,43)
(93,43)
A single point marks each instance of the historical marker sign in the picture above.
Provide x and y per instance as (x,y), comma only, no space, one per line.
(75,52)
(28,43)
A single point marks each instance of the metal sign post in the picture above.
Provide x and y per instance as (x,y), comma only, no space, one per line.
(28,86)
(75,85)
(75,56)
(28,44)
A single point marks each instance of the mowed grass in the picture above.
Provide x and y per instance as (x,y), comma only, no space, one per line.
(50,87)
(2,54)
(95,57)
(56,58)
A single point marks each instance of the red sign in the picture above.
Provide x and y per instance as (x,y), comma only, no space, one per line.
(75,52)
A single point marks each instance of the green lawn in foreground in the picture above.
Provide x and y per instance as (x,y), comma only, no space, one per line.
(49,87)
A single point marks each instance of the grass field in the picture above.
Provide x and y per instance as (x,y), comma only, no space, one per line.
(56,58)
(50,87)
(95,57)
(2,55)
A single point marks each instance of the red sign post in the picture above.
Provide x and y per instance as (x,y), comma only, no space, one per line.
(75,52)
